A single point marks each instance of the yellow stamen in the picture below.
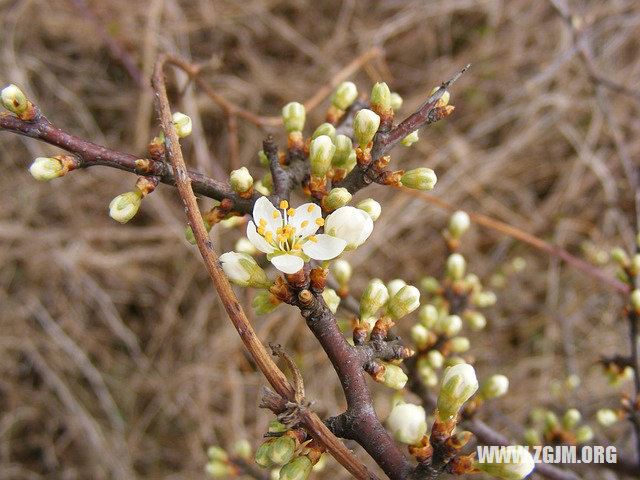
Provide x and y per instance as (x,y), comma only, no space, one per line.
(282,239)
(305,223)
(268,236)
(297,246)
(284,204)
(279,230)
(263,222)
(291,212)
(320,221)
(276,214)
(261,230)
(310,208)
(313,239)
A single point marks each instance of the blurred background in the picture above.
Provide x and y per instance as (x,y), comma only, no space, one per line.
(117,359)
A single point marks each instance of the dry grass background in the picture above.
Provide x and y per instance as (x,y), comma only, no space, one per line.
(117,360)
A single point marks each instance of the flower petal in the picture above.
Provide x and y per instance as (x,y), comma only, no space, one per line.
(351,224)
(367,227)
(326,247)
(263,209)
(258,240)
(307,212)
(287,263)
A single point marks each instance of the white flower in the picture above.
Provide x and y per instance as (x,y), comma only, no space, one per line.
(288,237)
(407,423)
(351,225)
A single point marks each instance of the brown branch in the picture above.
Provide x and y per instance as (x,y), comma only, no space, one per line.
(251,341)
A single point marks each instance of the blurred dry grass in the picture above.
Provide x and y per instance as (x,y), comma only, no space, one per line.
(117,359)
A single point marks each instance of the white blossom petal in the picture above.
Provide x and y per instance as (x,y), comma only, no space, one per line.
(350,224)
(263,209)
(287,263)
(258,240)
(308,212)
(325,248)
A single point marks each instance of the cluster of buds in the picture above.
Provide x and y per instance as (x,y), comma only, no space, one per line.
(568,430)
(221,464)
(629,410)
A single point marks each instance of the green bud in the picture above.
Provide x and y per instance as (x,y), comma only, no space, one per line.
(218,469)
(476,320)
(365,126)
(550,421)
(125,206)
(243,270)
(242,449)
(344,95)
(370,206)
(428,316)
(297,469)
(282,450)
(584,434)
(619,256)
(396,101)
(262,456)
(419,179)
(321,152)
(381,97)
(453,361)
(342,271)
(449,325)
(331,298)
(241,180)
(460,344)
(571,419)
(395,285)
(635,298)
(188,232)
(410,139)
(419,335)
(373,298)
(407,423)
(456,266)
(606,417)
(261,188)
(484,299)
(293,116)
(344,147)
(495,386)
(217,453)
(324,129)
(430,285)
(427,374)
(262,157)
(393,376)
(516,464)
(435,359)
(263,303)
(404,302)
(458,384)
(531,437)
(14,100)
(182,124)
(459,223)
(44,169)
(445,96)
(338,197)
(276,427)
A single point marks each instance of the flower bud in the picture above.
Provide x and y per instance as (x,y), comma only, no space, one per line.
(393,376)
(262,457)
(263,159)
(456,266)
(459,344)
(550,421)
(242,449)
(350,224)
(428,316)
(427,374)
(404,302)
(324,129)
(445,96)
(182,124)
(344,147)
(344,96)
(410,139)
(407,423)
(188,232)
(435,358)
(584,434)
(282,450)
(619,256)
(365,126)
(243,270)
(419,179)
(264,303)
(370,206)
(484,299)
(14,100)
(458,384)
(606,417)
(419,335)
(342,271)
(297,469)
(217,453)
(531,437)
(459,223)
(571,419)
(516,464)
(125,206)
(44,169)
(261,188)
(381,97)
(321,152)
(293,116)
(276,427)
(395,285)
(476,320)
(430,285)
(635,299)
(218,469)
(244,245)
(331,298)
(396,100)
(449,325)
(338,197)
(241,180)
(495,386)
(453,361)
(373,298)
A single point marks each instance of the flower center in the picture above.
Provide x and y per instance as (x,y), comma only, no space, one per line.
(284,238)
